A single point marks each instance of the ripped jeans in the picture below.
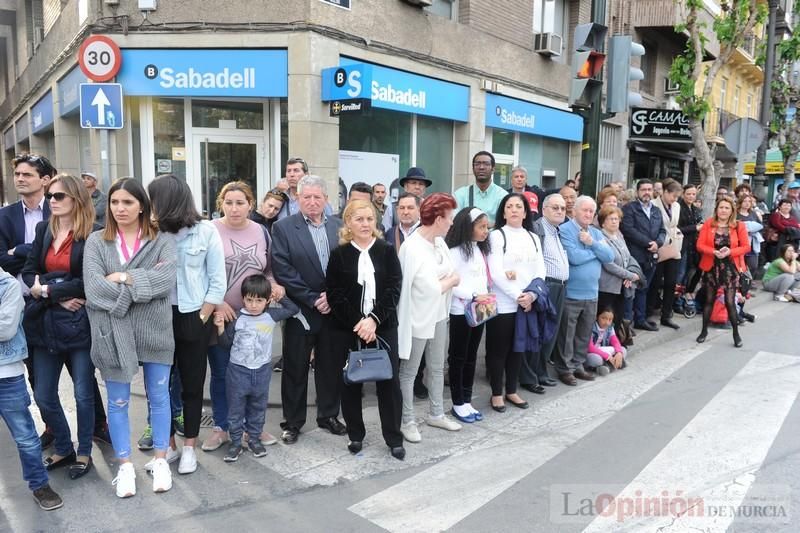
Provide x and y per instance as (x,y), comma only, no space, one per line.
(156,378)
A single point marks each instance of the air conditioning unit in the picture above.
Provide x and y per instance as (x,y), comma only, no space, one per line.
(420,3)
(670,87)
(547,44)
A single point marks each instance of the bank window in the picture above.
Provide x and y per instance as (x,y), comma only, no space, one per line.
(230,115)
(444,8)
(379,131)
(169,137)
(502,142)
(435,151)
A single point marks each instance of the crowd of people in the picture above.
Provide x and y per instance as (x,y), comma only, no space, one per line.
(137,279)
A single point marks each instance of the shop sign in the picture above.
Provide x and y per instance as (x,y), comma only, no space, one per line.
(660,125)
(23,128)
(526,117)
(42,113)
(388,88)
(68,98)
(773,167)
(203,72)
(341,107)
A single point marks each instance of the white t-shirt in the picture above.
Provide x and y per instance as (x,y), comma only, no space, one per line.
(473,277)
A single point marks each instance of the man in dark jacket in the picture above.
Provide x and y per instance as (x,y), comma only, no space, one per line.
(644,233)
(535,195)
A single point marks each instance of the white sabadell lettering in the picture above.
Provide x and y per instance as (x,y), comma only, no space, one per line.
(192,79)
(391,95)
(525,121)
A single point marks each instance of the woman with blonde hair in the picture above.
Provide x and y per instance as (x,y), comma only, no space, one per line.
(56,323)
(363,286)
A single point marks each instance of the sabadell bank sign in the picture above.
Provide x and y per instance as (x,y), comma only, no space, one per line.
(204,72)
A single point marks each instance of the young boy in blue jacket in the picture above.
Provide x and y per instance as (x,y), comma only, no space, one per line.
(14,398)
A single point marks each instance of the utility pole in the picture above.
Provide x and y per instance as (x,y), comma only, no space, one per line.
(760,178)
(592,118)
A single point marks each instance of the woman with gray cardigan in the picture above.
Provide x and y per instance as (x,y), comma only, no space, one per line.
(128,273)
(615,276)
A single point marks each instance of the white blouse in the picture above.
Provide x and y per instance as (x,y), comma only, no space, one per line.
(523,257)
(473,277)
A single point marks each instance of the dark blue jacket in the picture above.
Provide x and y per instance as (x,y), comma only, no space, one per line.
(639,230)
(12,235)
(537,326)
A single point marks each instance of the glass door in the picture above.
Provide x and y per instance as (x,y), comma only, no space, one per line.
(223,159)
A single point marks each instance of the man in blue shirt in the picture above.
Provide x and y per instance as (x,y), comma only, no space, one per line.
(485,194)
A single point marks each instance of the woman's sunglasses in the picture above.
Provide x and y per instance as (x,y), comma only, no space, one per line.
(58,196)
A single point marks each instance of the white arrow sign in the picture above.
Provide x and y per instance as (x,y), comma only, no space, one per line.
(101,101)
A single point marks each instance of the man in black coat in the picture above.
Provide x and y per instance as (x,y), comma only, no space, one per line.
(301,247)
(644,233)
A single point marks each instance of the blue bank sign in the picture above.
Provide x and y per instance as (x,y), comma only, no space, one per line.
(526,117)
(42,114)
(201,72)
(396,90)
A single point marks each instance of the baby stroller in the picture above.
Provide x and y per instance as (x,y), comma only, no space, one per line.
(684,302)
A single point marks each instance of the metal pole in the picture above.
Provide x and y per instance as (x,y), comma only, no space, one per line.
(591,123)
(760,178)
(105,182)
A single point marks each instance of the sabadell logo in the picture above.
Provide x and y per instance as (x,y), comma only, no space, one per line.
(498,110)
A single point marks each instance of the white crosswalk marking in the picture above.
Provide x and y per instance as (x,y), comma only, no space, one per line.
(716,455)
(539,437)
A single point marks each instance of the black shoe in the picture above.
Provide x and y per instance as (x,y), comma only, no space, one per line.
(233,453)
(333,425)
(548,382)
(289,435)
(646,326)
(420,390)
(50,464)
(398,452)
(101,434)
(669,323)
(78,469)
(256,448)
(278,365)
(48,499)
(702,337)
(519,405)
(737,340)
(354,446)
(46,439)
(499,408)
(536,389)
(747,316)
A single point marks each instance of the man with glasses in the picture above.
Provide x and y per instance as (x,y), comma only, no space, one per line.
(485,194)
(533,373)
(99,198)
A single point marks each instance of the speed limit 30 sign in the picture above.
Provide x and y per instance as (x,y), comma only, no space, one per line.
(99,58)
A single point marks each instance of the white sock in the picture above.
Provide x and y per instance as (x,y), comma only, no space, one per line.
(462,410)
(471,409)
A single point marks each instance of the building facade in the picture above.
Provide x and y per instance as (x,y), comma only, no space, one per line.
(234,98)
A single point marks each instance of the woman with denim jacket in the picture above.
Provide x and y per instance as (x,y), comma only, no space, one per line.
(200,287)
(56,322)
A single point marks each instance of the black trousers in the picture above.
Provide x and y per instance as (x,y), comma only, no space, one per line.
(502,360)
(191,345)
(665,279)
(99,410)
(462,356)
(390,399)
(328,366)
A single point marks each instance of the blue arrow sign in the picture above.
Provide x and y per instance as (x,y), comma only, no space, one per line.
(101,106)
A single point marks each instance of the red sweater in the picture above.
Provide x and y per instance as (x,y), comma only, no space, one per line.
(780,224)
(740,245)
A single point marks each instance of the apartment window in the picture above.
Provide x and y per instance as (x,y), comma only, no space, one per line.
(34,24)
(749,103)
(649,64)
(723,93)
(551,16)
(444,8)
(736,92)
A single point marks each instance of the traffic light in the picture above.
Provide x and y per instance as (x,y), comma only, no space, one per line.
(587,64)
(621,73)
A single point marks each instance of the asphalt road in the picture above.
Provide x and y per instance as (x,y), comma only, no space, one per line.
(706,432)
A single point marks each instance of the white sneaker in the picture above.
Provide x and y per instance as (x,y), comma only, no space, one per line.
(410,432)
(188,462)
(782,299)
(125,481)
(443,423)
(162,476)
(172,456)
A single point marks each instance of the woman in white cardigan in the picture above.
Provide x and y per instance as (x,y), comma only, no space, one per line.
(669,255)
(422,311)
(515,260)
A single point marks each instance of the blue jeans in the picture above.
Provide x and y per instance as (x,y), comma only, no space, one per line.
(175,403)
(14,402)
(47,369)
(156,378)
(640,301)
(248,392)
(218,358)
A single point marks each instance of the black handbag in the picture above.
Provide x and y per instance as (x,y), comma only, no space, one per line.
(368,364)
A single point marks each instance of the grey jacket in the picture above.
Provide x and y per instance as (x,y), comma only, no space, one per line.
(614,273)
(131,324)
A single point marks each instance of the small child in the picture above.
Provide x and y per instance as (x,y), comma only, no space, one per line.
(250,366)
(605,354)
(14,398)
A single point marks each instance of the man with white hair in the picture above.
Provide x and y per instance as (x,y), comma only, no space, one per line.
(587,251)
(99,198)
(301,247)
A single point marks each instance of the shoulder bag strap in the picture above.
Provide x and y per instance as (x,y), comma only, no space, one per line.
(471,196)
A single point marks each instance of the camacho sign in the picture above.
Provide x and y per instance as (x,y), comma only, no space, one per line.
(659,125)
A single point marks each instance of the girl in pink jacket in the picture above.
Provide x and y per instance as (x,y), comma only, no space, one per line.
(605,353)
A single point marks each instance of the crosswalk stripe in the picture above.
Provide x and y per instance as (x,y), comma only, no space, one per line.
(446,493)
(711,464)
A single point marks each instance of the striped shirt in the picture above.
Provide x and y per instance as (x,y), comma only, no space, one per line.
(319,235)
(556,263)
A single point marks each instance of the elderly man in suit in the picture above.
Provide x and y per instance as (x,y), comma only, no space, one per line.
(301,247)
(644,233)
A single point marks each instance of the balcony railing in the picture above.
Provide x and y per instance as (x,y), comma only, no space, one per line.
(717,120)
(751,45)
